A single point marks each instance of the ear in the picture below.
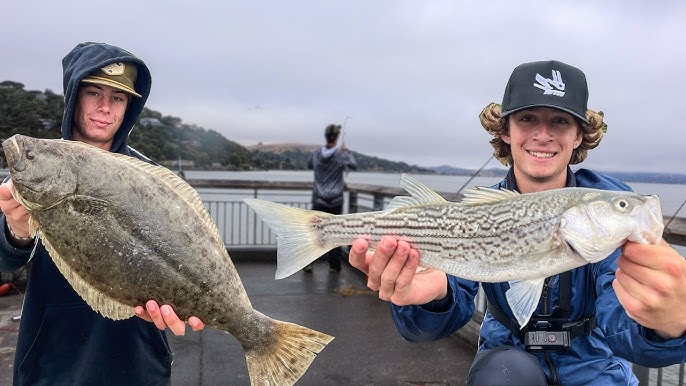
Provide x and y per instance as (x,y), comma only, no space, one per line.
(579,139)
(506,138)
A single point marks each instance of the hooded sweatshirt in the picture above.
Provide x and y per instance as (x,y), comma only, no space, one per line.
(329,165)
(62,341)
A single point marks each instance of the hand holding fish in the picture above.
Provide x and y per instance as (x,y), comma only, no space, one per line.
(16,215)
(164,316)
(651,286)
(392,271)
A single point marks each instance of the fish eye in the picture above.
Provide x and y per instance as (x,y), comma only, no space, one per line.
(29,154)
(622,204)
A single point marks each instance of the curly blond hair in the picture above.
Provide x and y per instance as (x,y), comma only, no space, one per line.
(495,125)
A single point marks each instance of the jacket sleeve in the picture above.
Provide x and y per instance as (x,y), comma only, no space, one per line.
(625,336)
(440,318)
(352,163)
(310,163)
(11,257)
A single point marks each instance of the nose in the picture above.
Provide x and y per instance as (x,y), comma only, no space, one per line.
(543,132)
(104,105)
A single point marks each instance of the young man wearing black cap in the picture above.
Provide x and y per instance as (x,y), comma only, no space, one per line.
(62,341)
(329,162)
(629,307)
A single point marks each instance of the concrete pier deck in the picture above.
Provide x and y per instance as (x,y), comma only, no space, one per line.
(367,349)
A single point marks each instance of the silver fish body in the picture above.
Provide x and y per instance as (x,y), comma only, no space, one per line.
(122,232)
(490,236)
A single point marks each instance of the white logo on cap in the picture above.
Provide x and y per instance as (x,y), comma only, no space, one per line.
(554,86)
(114,69)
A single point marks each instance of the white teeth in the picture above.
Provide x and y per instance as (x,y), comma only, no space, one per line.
(542,155)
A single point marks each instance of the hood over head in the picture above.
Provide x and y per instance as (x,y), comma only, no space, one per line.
(88,58)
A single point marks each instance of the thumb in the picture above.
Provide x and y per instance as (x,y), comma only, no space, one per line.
(6,190)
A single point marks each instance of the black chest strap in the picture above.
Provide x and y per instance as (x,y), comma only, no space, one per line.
(558,321)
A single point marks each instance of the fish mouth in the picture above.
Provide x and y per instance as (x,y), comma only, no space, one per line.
(12,150)
(652,222)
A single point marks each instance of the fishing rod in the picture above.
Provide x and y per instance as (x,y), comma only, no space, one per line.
(476,173)
(343,131)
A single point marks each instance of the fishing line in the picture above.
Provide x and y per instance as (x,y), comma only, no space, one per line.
(476,173)
(343,131)
(674,215)
(347,170)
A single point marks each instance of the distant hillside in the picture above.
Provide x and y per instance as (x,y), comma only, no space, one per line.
(296,156)
(450,170)
(657,178)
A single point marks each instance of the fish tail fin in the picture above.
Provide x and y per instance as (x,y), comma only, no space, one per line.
(285,360)
(297,242)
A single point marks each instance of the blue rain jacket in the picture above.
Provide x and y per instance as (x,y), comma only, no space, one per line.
(600,358)
(62,341)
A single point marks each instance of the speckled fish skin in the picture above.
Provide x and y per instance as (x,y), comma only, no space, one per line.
(490,236)
(123,232)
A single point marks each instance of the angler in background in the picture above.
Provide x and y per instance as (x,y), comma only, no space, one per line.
(62,341)
(592,321)
(329,163)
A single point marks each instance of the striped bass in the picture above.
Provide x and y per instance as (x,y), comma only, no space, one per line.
(490,236)
(123,231)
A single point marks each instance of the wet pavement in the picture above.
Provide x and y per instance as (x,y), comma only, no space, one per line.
(367,349)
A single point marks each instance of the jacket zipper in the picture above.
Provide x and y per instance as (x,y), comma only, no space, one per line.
(546,299)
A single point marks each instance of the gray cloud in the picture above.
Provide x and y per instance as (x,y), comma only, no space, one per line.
(412,76)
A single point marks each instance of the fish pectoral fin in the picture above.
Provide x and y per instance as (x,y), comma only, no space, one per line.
(523,297)
(88,205)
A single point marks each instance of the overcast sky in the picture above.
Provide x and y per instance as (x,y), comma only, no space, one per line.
(410,76)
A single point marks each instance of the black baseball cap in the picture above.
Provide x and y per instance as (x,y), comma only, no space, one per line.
(548,84)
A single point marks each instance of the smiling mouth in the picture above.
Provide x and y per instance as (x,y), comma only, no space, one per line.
(540,154)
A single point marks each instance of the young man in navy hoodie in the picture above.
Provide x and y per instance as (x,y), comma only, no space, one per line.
(62,341)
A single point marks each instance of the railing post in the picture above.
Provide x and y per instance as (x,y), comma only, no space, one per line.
(352,202)
(378,201)
(642,373)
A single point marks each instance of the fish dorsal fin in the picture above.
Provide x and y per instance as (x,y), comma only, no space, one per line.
(98,301)
(483,195)
(183,189)
(165,176)
(420,194)
(160,173)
